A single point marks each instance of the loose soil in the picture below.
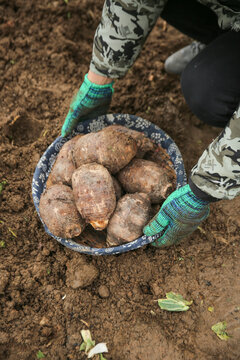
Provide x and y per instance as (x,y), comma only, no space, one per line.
(48,293)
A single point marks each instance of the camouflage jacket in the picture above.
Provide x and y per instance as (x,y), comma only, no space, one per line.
(217,172)
(124,27)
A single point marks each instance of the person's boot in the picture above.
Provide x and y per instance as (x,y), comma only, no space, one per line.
(177,62)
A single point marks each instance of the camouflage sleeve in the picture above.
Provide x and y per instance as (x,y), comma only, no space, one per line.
(228,12)
(217,172)
(124,27)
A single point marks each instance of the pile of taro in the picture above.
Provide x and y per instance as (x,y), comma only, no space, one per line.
(113,180)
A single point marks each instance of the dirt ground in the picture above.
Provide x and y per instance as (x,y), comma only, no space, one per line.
(45,49)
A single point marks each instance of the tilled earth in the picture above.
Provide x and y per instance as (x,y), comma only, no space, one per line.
(48,293)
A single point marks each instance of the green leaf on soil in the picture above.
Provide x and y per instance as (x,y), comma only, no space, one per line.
(2,185)
(211,308)
(2,243)
(40,355)
(174,302)
(220,330)
(82,346)
(88,343)
(12,232)
(101,357)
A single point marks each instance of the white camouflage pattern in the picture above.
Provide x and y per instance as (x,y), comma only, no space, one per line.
(217,172)
(125,25)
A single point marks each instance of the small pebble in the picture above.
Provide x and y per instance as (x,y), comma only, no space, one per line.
(44,321)
(103,291)
(4,277)
(45,252)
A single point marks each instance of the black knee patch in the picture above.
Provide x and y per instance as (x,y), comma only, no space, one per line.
(203,96)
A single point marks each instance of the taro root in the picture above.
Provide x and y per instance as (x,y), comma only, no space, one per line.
(59,212)
(161,157)
(145,176)
(144,144)
(110,148)
(117,187)
(64,166)
(94,194)
(131,215)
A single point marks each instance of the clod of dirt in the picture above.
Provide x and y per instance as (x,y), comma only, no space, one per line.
(155,288)
(4,277)
(34,159)
(4,337)
(46,331)
(44,321)
(103,291)
(74,340)
(80,274)
(16,202)
(23,130)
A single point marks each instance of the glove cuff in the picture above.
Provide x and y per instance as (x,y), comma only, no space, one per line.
(94,86)
(192,198)
(201,194)
(195,198)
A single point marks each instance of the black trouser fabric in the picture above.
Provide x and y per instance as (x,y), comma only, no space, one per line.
(192,19)
(211,81)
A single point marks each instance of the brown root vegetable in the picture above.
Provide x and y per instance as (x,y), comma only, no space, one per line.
(161,157)
(117,187)
(58,211)
(109,148)
(144,144)
(145,176)
(64,166)
(131,215)
(94,194)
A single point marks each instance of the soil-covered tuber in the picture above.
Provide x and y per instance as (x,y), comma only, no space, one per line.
(145,176)
(59,212)
(144,144)
(161,157)
(131,215)
(117,187)
(94,194)
(64,165)
(109,148)
(99,168)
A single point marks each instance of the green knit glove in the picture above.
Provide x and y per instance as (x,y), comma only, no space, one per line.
(180,214)
(91,101)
